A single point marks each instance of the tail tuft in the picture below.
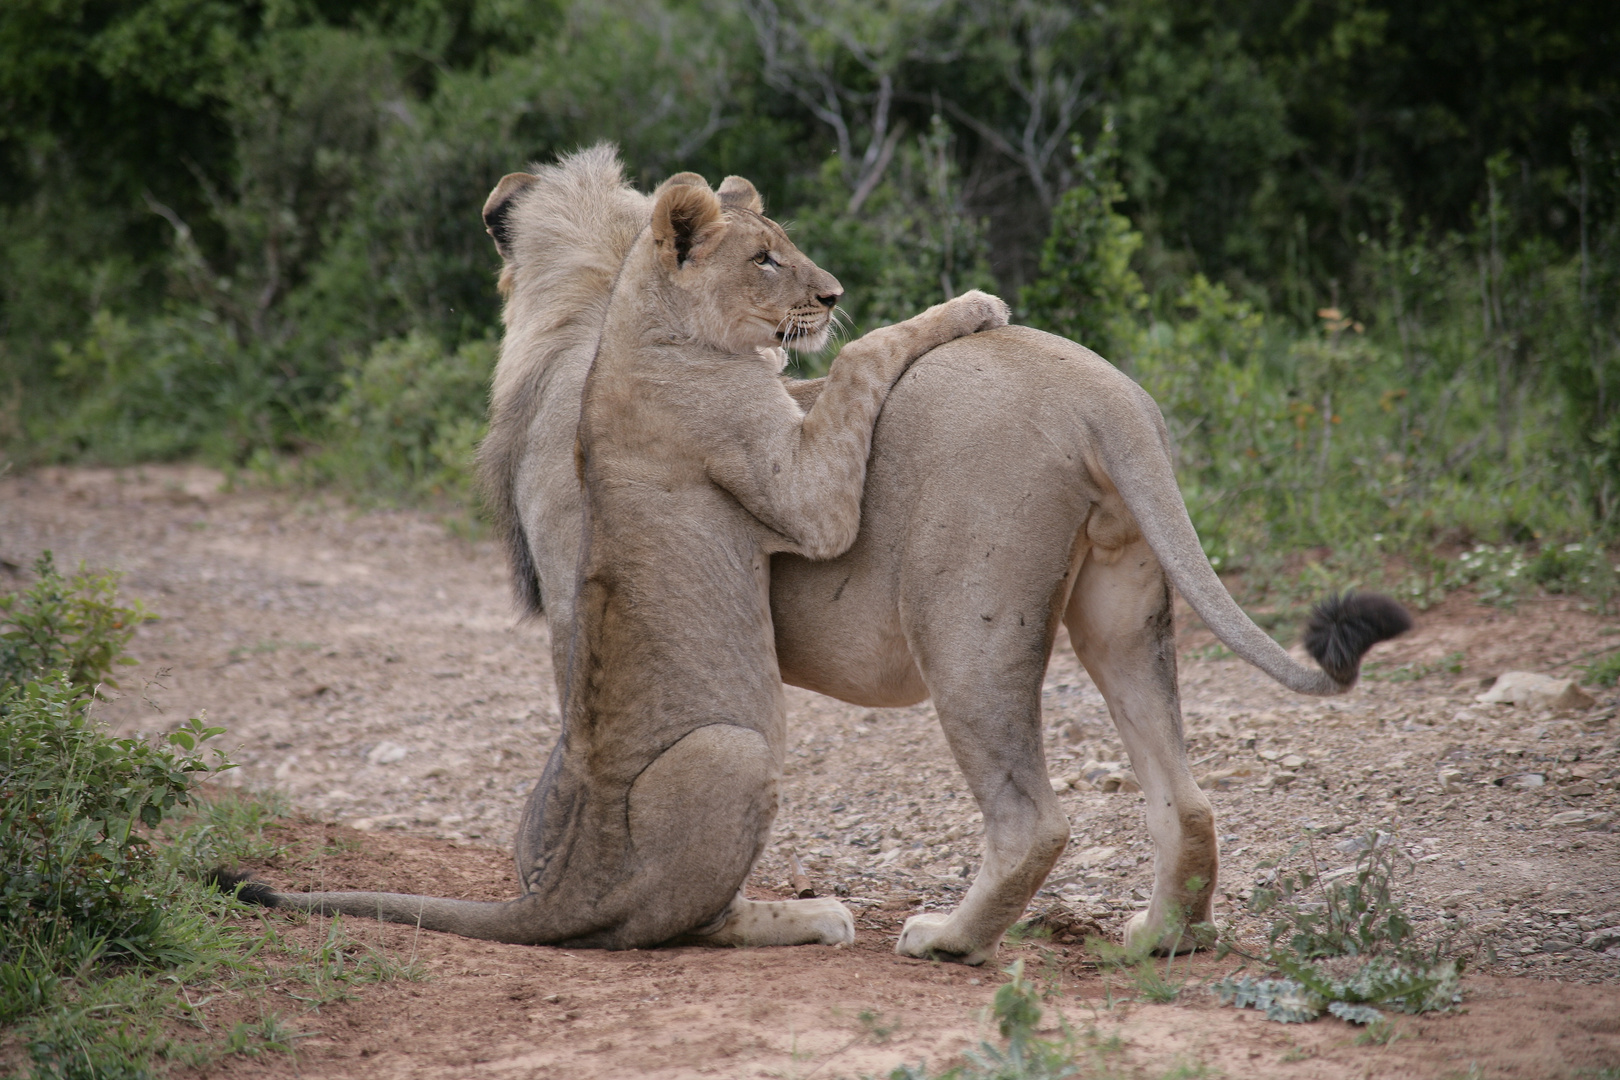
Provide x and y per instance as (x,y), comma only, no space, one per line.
(1342,628)
(243,886)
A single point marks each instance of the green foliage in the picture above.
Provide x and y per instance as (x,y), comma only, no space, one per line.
(1087,289)
(72,626)
(408,419)
(1026,1055)
(1370,268)
(1604,671)
(1342,944)
(72,865)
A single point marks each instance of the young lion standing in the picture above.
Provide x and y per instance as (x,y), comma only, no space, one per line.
(697,466)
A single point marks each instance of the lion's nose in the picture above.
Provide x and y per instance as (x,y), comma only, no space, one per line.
(829,299)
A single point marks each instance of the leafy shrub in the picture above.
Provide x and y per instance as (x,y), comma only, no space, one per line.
(1343,946)
(71,796)
(69,625)
(409,417)
(71,862)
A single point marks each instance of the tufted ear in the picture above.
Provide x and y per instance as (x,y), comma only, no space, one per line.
(499,205)
(735,191)
(685,220)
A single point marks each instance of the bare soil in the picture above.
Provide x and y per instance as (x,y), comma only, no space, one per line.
(367,663)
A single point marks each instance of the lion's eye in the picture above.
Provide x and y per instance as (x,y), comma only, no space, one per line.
(764,259)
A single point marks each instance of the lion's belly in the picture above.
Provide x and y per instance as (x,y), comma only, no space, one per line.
(838,631)
(975,495)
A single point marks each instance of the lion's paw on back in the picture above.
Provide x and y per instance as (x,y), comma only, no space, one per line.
(980,310)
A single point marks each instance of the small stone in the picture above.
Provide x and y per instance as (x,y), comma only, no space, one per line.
(1222,779)
(1541,691)
(1452,780)
(386,753)
(1602,940)
(1269,755)
(1060,784)
(1579,787)
(1278,781)
(1247,739)
(1123,781)
(1578,817)
(1522,781)
(1458,900)
(1292,761)
(1095,856)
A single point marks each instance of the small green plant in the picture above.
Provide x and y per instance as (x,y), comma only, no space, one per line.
(1604,671)
(73,626)
(1341,945)
(1024,1055)
(106,927)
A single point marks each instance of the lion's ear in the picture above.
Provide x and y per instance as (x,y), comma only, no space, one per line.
(685,220)
(735,191)
(681,178)
(498,206)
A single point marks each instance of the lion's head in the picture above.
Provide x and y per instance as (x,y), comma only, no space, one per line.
(732,278)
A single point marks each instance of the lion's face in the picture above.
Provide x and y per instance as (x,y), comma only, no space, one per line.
(738,281)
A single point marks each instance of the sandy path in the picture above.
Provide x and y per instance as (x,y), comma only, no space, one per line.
(367,663)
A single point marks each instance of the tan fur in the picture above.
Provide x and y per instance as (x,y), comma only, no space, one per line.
(697,466)
(1016,479)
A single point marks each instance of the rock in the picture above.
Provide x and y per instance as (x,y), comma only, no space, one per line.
(1246,740)
(1060,784)
(1095,856)
(1277,781)
(1541,691)
(1458,900)
(1292,761)
(1593,818)
(386,753)
(1124,782)
(1602,940)
(1579,787)
(1452,780)
(1522,781)
(1222,779)
(1269,755)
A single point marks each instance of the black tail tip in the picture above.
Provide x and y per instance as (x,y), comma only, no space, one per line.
(242,885)
(1342,628)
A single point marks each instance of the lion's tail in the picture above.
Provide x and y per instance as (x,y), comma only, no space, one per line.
(516,922)
(562,233)
(1341,629)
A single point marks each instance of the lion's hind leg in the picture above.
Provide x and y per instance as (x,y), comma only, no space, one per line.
(1121,622)
(822,921)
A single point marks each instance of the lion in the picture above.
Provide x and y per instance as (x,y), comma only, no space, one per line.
(697,466)
(1016,481)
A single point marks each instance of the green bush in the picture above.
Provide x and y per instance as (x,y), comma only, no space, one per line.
(73,626)
(409,418)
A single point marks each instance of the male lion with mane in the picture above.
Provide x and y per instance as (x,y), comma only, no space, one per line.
(1015,480)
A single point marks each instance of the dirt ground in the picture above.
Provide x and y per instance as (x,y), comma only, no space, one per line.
(367,664)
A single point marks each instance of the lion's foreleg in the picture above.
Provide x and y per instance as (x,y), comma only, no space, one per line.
(1121,622)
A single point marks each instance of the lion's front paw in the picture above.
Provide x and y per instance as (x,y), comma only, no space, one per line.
(980,311)
(928,937)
